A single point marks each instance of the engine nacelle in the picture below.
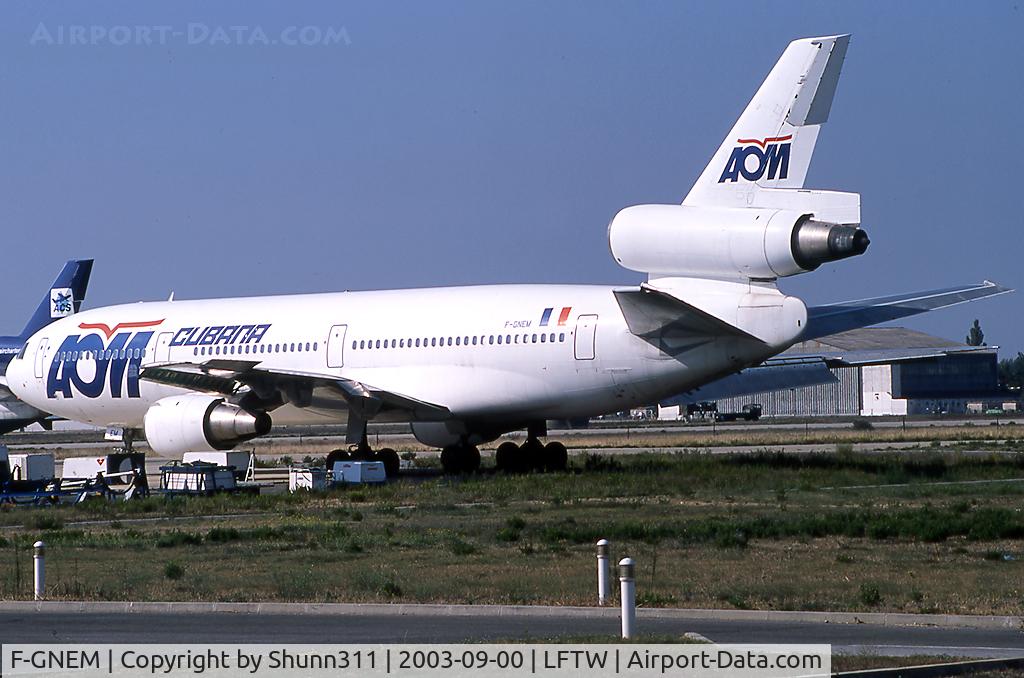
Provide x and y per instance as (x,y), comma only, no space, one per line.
(200,423)
(728,243)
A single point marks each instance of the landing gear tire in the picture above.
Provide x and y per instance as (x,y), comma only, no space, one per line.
(390,460)
(531,455)
(505,456)
(556,457)
(460,459)
(450,461)
(472,460)
(336,456)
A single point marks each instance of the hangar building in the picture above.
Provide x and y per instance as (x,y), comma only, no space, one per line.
(892,371)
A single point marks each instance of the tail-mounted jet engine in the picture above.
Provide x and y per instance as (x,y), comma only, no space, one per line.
(728,243)
(200,423)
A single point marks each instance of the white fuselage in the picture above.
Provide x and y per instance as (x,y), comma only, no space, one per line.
(498,355)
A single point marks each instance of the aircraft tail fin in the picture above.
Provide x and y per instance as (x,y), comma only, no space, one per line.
(64,297)
(771,144)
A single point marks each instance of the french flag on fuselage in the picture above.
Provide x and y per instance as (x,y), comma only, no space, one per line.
(545,318)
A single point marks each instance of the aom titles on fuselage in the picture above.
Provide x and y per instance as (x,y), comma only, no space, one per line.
(465,365)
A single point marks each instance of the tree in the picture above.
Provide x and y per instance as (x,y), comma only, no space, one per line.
(1011,371)
(976,337)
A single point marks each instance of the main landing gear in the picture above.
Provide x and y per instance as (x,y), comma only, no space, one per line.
(532,455)
(460,458)
(362,452)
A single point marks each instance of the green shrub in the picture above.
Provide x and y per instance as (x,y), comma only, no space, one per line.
(869,594)
(460,547)
(175,538)
(507,534)
(219,535)
(174,571)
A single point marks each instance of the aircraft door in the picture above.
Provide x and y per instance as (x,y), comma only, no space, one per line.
(41,353)
(336,346)
(161,352)
(586,332)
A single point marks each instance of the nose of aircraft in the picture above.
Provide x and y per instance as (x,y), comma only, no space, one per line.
(19,376)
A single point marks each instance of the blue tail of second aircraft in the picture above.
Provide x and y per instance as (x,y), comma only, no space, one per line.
(64,297)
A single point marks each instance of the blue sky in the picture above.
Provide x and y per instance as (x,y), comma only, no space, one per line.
(479,142)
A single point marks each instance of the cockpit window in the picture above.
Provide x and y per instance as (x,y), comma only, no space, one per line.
(21,353)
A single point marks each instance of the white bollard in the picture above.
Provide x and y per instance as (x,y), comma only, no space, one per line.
(627,583)
(603,585)
(39,569)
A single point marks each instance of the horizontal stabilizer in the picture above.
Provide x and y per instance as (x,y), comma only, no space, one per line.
(848,315)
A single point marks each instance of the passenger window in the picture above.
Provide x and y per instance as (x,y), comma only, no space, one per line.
(137,354)
(508,338)
(314,345)
(535,338)
(561,337)
(433,341)
(499,338)
(378,343)
(293,348)
(307,346)
(543,338)
(490,339)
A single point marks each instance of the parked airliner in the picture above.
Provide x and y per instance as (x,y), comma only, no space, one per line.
(466,365)
(62,299)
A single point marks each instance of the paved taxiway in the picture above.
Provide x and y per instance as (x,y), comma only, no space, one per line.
(20,623)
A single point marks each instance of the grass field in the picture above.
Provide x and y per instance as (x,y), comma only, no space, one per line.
(910,531)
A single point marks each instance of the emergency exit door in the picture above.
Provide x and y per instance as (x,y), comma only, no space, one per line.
(586,333)
(336,346)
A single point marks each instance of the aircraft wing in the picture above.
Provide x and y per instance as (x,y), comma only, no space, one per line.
(848,315)
(247,382)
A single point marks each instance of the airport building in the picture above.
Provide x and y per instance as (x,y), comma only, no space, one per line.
(902,372)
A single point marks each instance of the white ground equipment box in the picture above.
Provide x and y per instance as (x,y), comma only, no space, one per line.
(107,465)
(307,479)
(197,478)
(32,466)
(358,472)
(242,461)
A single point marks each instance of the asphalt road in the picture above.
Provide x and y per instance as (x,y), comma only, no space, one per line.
(231,627)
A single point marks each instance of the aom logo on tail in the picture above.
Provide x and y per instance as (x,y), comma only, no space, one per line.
(87,363)
(753,157)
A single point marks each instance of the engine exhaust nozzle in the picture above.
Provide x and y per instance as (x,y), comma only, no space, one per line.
(815,243)
(230,424)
